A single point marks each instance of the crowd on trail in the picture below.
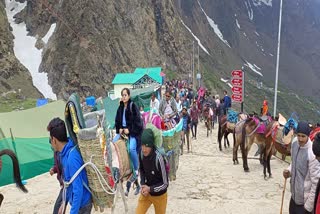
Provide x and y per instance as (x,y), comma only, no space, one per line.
(180,103)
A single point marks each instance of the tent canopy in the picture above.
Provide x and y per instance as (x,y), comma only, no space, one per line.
(29,141)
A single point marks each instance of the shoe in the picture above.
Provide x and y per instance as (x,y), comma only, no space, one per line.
(128,185)
(137,191)
(116,174)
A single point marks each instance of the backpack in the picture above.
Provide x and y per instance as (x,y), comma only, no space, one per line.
(160,151)
(141,125)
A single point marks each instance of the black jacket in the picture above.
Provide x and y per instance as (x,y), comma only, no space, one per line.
(154,176)
(133,119)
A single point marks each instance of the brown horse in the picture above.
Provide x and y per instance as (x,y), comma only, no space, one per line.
(207,119)
(225,128)
(223,131)
(16,171)
(254,132)
(237,135)
(282,142)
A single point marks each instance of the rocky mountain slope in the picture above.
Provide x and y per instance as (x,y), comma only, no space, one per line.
(13,75)
(93,40)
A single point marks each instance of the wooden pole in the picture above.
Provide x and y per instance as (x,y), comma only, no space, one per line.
(283,191)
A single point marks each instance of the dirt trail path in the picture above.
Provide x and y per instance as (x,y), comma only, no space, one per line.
(207,182)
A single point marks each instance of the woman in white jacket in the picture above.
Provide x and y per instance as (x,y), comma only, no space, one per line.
(304,171)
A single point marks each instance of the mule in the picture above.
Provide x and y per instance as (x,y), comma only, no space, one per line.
(255,131)
(237,135)
(225,128)
(206,114)
(16,171)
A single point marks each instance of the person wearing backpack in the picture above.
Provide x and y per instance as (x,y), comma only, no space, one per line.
(128,121)
(153,175)
(77,193)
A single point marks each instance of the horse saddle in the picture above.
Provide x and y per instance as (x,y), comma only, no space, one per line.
(261,129)
(230,125)
(122,157)
(279,137)
(264,118)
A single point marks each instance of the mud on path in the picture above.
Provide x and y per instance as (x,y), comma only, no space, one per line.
(207,182)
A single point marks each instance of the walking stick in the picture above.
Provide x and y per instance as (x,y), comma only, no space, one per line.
(283,191)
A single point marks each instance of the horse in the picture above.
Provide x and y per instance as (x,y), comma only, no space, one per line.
(237,131)
(255,130)
(283,134)
(16,171)
(207,118)
(225,128)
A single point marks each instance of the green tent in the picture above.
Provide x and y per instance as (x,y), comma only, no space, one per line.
(141,97)
(29,141)
(30,137)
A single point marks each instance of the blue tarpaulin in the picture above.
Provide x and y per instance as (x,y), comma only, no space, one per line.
(42,102)
(91,101)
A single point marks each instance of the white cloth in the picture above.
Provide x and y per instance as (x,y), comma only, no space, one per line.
(155,105)
(179,106)
(168,110)
(217,103)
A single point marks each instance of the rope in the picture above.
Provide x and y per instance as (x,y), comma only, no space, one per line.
(255,129)
(66,184)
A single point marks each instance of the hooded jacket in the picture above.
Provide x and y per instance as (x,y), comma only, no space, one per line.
(305,173)
(151,175)
(77,194)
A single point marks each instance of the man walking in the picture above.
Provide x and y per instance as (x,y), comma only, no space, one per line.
(154,178)
(304,171)
(77,194)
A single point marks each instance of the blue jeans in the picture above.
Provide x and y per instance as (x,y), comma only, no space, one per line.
(133,152)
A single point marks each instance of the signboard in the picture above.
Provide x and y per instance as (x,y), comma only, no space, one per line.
(237,74)
(237,90)
(198,76)
(236,98)
(236,82)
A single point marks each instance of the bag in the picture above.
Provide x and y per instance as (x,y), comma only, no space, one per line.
(160,151)
(141,124)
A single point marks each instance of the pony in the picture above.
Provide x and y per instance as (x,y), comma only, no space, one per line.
(255,130)
(225,128)
(16,171)
(283,134)
(207,115)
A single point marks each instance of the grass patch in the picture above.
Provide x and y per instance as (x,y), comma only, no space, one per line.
(12,103)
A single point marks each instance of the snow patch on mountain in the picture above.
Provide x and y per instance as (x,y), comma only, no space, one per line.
(261,2)
(25,50)
(237,23)
(196,38)
(49,34)
(215,27)
(254,68)
(249,9)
